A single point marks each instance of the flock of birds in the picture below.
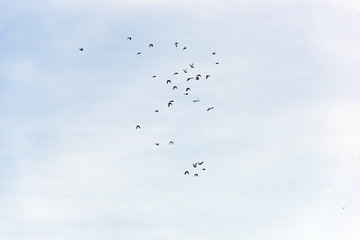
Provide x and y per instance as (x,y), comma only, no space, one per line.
(196,165)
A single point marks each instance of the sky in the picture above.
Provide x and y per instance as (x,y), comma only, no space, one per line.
(281,147)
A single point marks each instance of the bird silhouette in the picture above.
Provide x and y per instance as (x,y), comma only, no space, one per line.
(194,165)
(189,78)
(200,162)
(169,104)
(204,169)
(168,81)
(174,87)
(171,101)
(186,93)
(176,44)
(137,127)
(187,89)
(192,65)
(81,49)
(186,172)
(157,144)
(138,53)
(176,73)
(217,63)
(196,175)
(199,75)
(213,53)
(129,38)
(210,108)
(154,76)
(184,48)
(151,45)
(185,70)
(171,142)
(196,100)
(156,110)
(207,76)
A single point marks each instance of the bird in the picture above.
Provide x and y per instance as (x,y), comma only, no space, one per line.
(210,108)
(185,70)
(207,76)
(138,53)
(169,104)
(154,76)
(176,73)
(171,101)
(129,38)
(137,127)
(186,172)
(196,100)
(217,63)
(200,162)
(195,165)
(192,65)
(184,48)
(203,169)
(151,45)
(199,75)
(156,110)
(187,89)
(213,53)
(176,44)
(174,87)
(81,49)
(189,78)
(186,93)
(168,81)
(171,142)
(196,175)
(157,144)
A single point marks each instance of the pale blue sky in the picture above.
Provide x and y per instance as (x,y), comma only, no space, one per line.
(281,147)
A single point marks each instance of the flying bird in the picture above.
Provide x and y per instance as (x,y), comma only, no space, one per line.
(199,75)
(189,78)
(81,49)
(174,87)
(195,165)
(187,89)
(138,53)
(171,101)
(184,48)
(168,81)
(156,110)
(203,169)
(186,94)
(186,172)
(196,175)
(207,76)
(210,108)
(185,70)
(200,162)
(217,63)
(157,144)
(196,100)
(137,127)
(154,76)
(169,104)
(176,44)
(129,38)
(151,45)
(192,65)
(171,142)
(176,73)
(213,53)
